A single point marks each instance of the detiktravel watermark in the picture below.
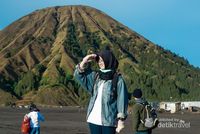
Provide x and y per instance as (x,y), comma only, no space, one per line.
(173,123)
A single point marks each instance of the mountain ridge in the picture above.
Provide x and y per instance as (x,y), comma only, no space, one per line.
(40,50)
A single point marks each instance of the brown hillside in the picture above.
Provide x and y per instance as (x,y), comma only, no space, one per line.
(6,98)
(39,37)
(39,51)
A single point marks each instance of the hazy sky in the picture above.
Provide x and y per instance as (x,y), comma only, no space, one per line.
(172,24)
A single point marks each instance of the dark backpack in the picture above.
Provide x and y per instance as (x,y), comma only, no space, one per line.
(151,119)
(113,86)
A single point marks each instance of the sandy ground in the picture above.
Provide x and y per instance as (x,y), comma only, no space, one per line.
(72,121)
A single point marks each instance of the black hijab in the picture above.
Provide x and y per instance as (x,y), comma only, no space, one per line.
(33,108)
(110,63)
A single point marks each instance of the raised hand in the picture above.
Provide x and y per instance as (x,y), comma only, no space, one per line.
(86,59)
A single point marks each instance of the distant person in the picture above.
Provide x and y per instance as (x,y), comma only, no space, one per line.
(107,108)
(138,113)
(35,117)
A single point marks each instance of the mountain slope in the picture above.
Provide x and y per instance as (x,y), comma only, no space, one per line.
(38,52)
(6,98)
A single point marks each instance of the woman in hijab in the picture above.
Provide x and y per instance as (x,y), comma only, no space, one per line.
(105,114)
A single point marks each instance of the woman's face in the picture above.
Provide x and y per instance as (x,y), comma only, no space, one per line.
(101,63)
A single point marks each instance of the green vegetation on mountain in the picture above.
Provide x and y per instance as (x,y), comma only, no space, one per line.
(39,51)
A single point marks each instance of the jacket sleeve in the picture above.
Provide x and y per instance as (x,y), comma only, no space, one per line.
(135,116)
(122,99)
(40,117)
(85,78)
